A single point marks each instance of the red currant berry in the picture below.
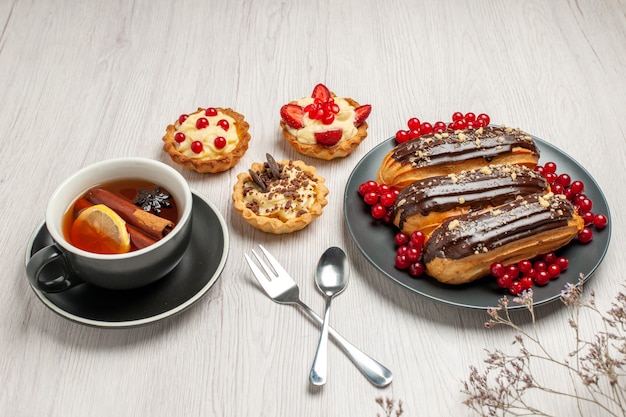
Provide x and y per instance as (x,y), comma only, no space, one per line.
(588,218)
(504,281)
(532,273)
(524,266)
(371,198)
(368,187)
(417,269)
(328,118)
(457,116)
(439,127)
(539,169)
(512,270)
(402,136)
(384,188)
(459,124)
(414,254)
(564,180)
(210,111)
(223,123)
(526,283)
(179,137)
(484,118)
(219,142)
(550,167)
(182,118)
(414,123)
(497,269)
(516,288)
(562,262)
(401,239)
(600,221)
(402,262)
(554,271)
(201,123)
(196,146)
(557,188)
(426,128)
(469,117)
(549,257)
(402,251)
(585,235)
(418,237)
(577,187)
(540,266)
(387,199)
(550,177)
(379,211)
(585,205)
(542,278)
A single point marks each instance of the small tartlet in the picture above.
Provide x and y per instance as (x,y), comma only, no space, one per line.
(324,126)
(279,197)
(214,144)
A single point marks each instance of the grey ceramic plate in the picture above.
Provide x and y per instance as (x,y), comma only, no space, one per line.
(375,239)
(187,283)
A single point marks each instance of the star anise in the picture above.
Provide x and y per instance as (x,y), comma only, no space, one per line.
(153,200)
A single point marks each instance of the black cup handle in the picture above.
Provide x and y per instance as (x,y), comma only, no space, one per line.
(48,271)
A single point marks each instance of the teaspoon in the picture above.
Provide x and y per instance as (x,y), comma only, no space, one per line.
(331,277)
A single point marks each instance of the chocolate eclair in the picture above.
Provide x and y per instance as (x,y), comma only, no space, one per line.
(452,152)
(426,203)
(463,248)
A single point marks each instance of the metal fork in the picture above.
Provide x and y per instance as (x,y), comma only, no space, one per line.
(281,288)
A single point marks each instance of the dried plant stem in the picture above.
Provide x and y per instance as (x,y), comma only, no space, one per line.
(595,368)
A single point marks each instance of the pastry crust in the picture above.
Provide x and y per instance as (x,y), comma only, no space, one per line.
(342,149)
(275,222)
(453,152)
(463,248)
(220,163)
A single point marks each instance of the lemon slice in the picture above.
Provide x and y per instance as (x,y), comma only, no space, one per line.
(99,229)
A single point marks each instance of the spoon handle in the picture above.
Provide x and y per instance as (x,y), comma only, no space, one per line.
(319,369)
(374,371)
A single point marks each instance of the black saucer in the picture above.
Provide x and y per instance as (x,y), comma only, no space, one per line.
(186,284)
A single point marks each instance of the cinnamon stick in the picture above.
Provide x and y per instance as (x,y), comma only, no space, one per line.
(154,226)
(138,239)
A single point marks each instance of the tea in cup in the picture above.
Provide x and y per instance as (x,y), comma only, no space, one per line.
(118,224)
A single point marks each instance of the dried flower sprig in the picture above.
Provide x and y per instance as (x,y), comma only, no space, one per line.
(595,370)
(388,405)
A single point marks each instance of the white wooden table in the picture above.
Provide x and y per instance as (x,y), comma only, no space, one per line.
(85,81)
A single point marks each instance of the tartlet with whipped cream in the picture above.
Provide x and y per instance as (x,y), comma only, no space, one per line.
(209,140)
(324,126)
(279,197)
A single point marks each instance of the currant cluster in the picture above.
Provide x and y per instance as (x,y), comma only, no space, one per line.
(323,111)
(202,123)
(380,197)
(460,121)
(409,253)
(573,191)
(522,275)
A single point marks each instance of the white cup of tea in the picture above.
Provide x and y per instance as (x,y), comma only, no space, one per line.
(62,265)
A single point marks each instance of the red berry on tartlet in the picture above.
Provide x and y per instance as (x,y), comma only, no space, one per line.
(323,125)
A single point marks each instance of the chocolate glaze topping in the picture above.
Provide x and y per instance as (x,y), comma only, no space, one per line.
(492,185)
(440,148)
(485,230)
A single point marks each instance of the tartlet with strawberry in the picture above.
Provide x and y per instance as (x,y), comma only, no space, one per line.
(208,140)
(324,126)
